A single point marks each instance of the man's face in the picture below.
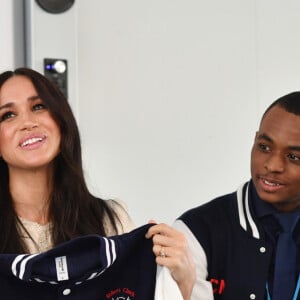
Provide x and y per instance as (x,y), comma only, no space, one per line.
(275,159)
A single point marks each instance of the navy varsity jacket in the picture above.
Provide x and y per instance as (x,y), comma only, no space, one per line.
(238,256)
(90,267)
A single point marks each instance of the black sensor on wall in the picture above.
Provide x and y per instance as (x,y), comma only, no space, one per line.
(55,6)
(57,71)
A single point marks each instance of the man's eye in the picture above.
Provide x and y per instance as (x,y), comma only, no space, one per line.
(263,147)
(294,157)
(7,115)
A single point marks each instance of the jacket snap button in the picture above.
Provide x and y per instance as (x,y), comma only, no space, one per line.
(66,292)
(252,296)
(262,249)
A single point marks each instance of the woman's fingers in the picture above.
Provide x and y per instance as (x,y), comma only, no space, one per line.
(171,250)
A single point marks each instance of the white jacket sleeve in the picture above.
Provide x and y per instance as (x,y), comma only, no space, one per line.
(202,288)
(166,287)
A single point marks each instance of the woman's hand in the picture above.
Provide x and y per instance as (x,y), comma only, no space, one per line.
(171,250)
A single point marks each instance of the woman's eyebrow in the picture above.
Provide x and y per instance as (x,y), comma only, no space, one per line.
(11,104)
(7,105)
(32,98)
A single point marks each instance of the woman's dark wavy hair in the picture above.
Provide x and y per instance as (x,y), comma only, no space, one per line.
(73,210)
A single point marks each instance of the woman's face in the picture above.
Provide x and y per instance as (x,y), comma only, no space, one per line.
(29,136)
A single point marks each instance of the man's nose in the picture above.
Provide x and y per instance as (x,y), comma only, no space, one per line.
(275,162)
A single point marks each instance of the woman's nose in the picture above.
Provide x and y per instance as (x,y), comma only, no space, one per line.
(28,121)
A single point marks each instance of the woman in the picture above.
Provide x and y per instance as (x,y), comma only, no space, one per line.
(44,200)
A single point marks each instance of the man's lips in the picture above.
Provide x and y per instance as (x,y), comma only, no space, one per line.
(270,185)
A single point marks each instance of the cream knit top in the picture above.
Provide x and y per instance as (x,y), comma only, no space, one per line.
(41,234)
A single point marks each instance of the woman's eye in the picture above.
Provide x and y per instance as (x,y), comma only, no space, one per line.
(7,115)
(39,106)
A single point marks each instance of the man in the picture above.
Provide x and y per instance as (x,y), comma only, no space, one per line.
(238,240)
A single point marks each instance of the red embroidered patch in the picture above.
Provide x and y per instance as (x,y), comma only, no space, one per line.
(120,294)
(218,285)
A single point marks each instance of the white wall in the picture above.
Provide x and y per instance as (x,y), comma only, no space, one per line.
(53,36)
(6,35)
(170,93)
(168,100)
(11,34)
(278,49)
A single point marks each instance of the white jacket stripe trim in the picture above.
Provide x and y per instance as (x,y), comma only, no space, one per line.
(113,250)
(240,207)
(107,252)
(23,265)
(250,219)
(110,249)
(15,262)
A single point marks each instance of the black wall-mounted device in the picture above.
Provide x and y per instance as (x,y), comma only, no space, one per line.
(51,43)
(57,71)
(55,6)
